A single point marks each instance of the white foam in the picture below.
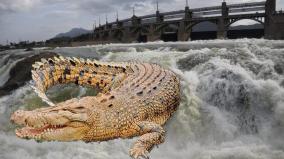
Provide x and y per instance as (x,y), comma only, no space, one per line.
(5,71)
(231,88)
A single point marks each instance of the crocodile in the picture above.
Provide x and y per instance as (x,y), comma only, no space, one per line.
(135,99)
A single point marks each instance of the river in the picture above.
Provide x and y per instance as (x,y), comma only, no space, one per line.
(232,103)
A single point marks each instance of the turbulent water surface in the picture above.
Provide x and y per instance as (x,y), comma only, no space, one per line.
(232,101)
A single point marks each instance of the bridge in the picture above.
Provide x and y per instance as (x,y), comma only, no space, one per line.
(178,25)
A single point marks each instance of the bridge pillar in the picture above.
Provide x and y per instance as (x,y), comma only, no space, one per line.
(270,7)
(274,27)
(183,35)
(100,34)
(188,13)
(274,21)
(152,35)
(97,36)
(222,30)
(128,36)
(127,31)
(222,21)
(135,20)
(159,17)
(117,34)
(225,9)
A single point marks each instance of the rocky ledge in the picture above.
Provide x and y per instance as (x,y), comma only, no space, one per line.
(21,72)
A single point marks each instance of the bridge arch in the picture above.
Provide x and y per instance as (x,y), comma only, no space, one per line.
(169,32)
(145,29)
(140,33)
(106,35)
(117,35)
(245,28)
(199,22)
(203,30)
(260,21)
(167,25)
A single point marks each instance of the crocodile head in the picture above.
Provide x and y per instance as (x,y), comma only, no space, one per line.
(67,121)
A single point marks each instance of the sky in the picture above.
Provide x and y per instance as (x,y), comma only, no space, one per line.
(37,20)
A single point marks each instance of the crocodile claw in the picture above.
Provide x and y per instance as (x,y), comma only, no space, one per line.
(139,152)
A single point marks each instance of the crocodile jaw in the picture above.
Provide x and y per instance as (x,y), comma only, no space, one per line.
(50,126)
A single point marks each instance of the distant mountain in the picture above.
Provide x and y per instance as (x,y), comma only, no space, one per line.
(73,33)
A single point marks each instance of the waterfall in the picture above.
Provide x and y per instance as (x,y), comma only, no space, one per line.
(232,101)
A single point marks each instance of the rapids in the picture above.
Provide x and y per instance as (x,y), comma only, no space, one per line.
(232,101)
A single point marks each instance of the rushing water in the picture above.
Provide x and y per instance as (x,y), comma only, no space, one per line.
(232,102)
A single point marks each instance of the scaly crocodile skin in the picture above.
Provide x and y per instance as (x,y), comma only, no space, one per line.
(136,99)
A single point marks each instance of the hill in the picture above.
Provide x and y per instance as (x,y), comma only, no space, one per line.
(73,33)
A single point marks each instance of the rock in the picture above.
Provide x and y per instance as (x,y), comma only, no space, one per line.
(21,72)
(29,49)
(193,60)
(279,68)
(282,83)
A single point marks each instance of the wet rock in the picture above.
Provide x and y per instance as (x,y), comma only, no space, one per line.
(282,83)
(279,68)
(231,92)
(29,49)
(193,60)
(21,72)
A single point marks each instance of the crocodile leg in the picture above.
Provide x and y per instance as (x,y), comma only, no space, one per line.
(153,134)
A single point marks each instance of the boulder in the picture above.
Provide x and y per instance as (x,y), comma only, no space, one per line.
(21,72)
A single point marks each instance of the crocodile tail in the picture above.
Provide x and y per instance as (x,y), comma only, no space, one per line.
(86,72)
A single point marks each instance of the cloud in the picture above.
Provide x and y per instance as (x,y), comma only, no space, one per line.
(7,6)
(95,7)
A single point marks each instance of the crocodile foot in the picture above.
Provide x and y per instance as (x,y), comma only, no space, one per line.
(139,152)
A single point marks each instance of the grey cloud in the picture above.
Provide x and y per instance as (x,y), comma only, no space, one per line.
(8,6)
(130,6)
(95,7)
